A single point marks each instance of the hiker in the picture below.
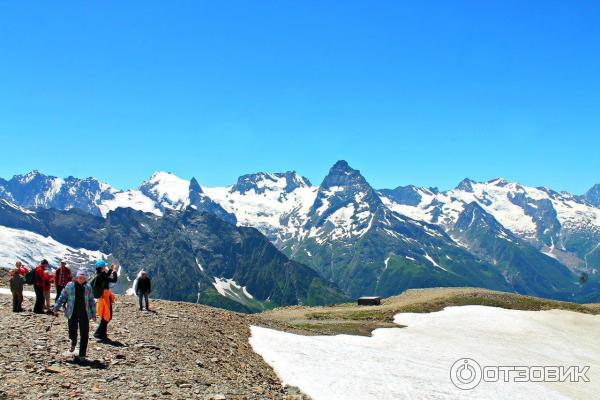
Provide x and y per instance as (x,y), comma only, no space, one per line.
(143,287)
(47,287)
(16,288)
(20,269)
(80,308)
(62,276)
(106,298)
(40,277)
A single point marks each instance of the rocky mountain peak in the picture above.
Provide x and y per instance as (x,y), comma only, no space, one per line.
(408,195)
(341,174)
(593,195)
(466,185)
(344,198)
(195,186)
(261,182)
(501,182)
(28,177)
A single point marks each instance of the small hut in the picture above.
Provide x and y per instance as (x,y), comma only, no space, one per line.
(369,301)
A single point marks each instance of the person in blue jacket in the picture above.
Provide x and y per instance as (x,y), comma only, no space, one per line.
(80,309)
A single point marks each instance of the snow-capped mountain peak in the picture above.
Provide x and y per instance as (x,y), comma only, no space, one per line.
(166,188)
(345,204)
(260,182)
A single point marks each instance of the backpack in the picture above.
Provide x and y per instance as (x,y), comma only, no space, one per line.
(30,277)
(97,287)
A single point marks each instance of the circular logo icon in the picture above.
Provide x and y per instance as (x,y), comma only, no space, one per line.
(465,373)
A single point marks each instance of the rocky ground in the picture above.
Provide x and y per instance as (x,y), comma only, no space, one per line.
(181,351)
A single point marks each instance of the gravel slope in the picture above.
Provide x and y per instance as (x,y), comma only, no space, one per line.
(182,351)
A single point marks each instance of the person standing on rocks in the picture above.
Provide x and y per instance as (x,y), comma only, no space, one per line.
(78,296)
(143,287)
(101,286)
(47,287)
(20,269)
(62,276)
(41,277)
(16,288)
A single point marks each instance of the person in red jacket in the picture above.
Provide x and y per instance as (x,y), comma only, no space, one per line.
(41,276)
(62,276)
(20,269)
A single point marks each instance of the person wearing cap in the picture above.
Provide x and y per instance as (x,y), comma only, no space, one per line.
(78,296)
(143,287)
(104,277)
(62,276)
(41,280)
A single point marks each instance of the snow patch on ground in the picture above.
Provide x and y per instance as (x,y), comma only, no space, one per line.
(414,362)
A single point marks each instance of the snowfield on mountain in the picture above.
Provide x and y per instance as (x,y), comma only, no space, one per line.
(415,361)
(30,248)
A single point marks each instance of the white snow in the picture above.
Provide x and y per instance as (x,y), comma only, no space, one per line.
(169,189)
(414,362)
(30,248)
(131,290)
(26,293)
(431,260)
(230,289)
(273,212)
(493,197)
(129,199)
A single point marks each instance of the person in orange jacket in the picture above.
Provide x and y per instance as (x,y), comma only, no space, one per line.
(104,308)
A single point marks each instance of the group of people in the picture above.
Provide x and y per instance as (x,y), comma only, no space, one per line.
(83,300)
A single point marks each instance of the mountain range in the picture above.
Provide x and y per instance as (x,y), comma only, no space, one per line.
(309,241)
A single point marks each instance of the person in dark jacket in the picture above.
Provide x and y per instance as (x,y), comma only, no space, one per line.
(16,288)
(62,276)
(41,276)
(104,277)
(143,287)
(78,296)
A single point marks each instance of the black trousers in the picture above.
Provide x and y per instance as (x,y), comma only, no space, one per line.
(145,297)
(82,322)
(101,330)
(38,308)
(59,289)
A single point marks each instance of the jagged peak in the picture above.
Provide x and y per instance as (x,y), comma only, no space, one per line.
(466,185)
(342,175)
(195,186)
(31,175)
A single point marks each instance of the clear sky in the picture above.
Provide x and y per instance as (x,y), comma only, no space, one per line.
(421,92)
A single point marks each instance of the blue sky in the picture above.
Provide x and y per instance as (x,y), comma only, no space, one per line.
(423,92)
